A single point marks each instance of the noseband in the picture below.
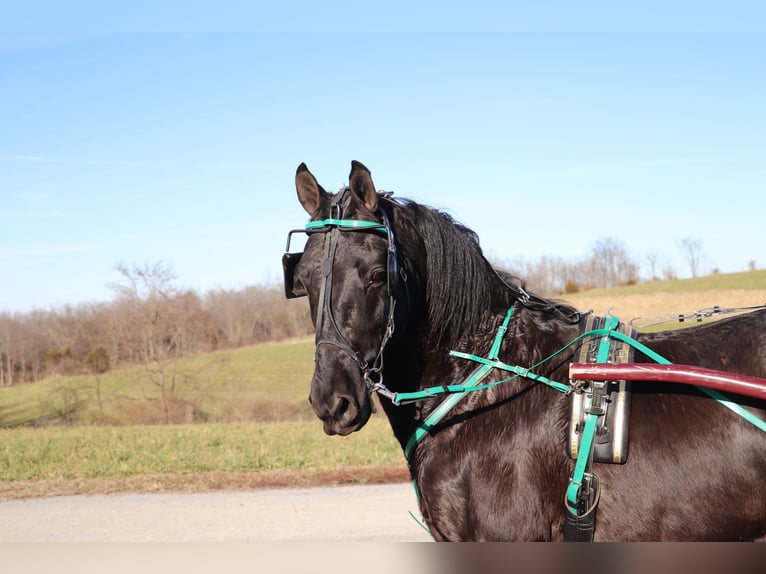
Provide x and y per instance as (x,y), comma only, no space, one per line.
(333,227)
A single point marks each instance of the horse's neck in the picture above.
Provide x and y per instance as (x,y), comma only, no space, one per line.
(530,337)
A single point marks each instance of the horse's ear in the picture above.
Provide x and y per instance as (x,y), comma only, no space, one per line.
(360,182)
(310,193)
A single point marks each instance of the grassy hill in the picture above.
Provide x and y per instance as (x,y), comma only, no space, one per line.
(260,383)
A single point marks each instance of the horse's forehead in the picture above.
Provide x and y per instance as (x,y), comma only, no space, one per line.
(354,243)
(342,205)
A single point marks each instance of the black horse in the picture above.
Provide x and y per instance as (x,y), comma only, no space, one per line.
(392,299)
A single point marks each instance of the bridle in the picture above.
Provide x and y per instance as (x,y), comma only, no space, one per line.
(334,227)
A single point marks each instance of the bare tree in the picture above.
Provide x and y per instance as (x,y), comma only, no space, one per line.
(22,352)
(65,401)
(691,250)
(97,360)
(669,273)
(6,351)
(653,257)
(256,314)
(146,293)
(610,265)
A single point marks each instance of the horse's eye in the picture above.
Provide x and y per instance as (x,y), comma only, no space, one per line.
(378,277)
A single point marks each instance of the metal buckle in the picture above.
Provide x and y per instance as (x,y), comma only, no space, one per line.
(599,397)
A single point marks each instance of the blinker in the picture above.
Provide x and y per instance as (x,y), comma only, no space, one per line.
(293,288)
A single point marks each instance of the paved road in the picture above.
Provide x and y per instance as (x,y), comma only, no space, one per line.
(375,513)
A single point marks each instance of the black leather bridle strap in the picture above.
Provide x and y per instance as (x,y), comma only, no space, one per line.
(330,244)
(373,373)
(325,298)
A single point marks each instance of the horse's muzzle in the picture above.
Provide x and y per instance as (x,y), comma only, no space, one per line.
(341,411)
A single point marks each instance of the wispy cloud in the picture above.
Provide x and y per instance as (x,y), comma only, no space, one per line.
(28,214)
(642,163)
(215,165)
(173,165)
(46,250)
(22,158)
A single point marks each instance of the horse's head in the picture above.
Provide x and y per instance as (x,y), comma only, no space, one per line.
(350,272)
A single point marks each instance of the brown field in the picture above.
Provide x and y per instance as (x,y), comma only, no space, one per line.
(648,308)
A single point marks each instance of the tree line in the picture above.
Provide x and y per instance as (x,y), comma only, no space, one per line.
(609,264)
(152,322)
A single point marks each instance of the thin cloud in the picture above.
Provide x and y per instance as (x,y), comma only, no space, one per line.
(222,165)
(592,169)
(23,158)
(28,214)
(46,250)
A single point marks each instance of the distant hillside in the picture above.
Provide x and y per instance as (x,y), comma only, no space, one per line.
(268,382)
(650,302)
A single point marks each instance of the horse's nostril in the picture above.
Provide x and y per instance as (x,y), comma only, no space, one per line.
(341,407)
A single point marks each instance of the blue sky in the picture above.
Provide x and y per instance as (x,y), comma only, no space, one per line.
(181,147)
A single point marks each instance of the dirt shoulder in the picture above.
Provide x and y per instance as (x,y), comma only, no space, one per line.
(204,482)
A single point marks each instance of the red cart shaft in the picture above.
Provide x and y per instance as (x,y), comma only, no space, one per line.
(686,374)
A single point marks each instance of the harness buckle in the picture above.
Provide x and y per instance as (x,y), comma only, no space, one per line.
(384,391)
(378,386)
(599,398)
(524,297)
(335,209)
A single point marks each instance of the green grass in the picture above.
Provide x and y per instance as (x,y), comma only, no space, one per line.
(119,452)
(265,387)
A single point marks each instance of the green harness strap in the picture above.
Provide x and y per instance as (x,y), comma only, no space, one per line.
(346,224)
(449,403)
(585,452)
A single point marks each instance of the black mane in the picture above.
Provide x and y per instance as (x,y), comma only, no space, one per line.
(458,282)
